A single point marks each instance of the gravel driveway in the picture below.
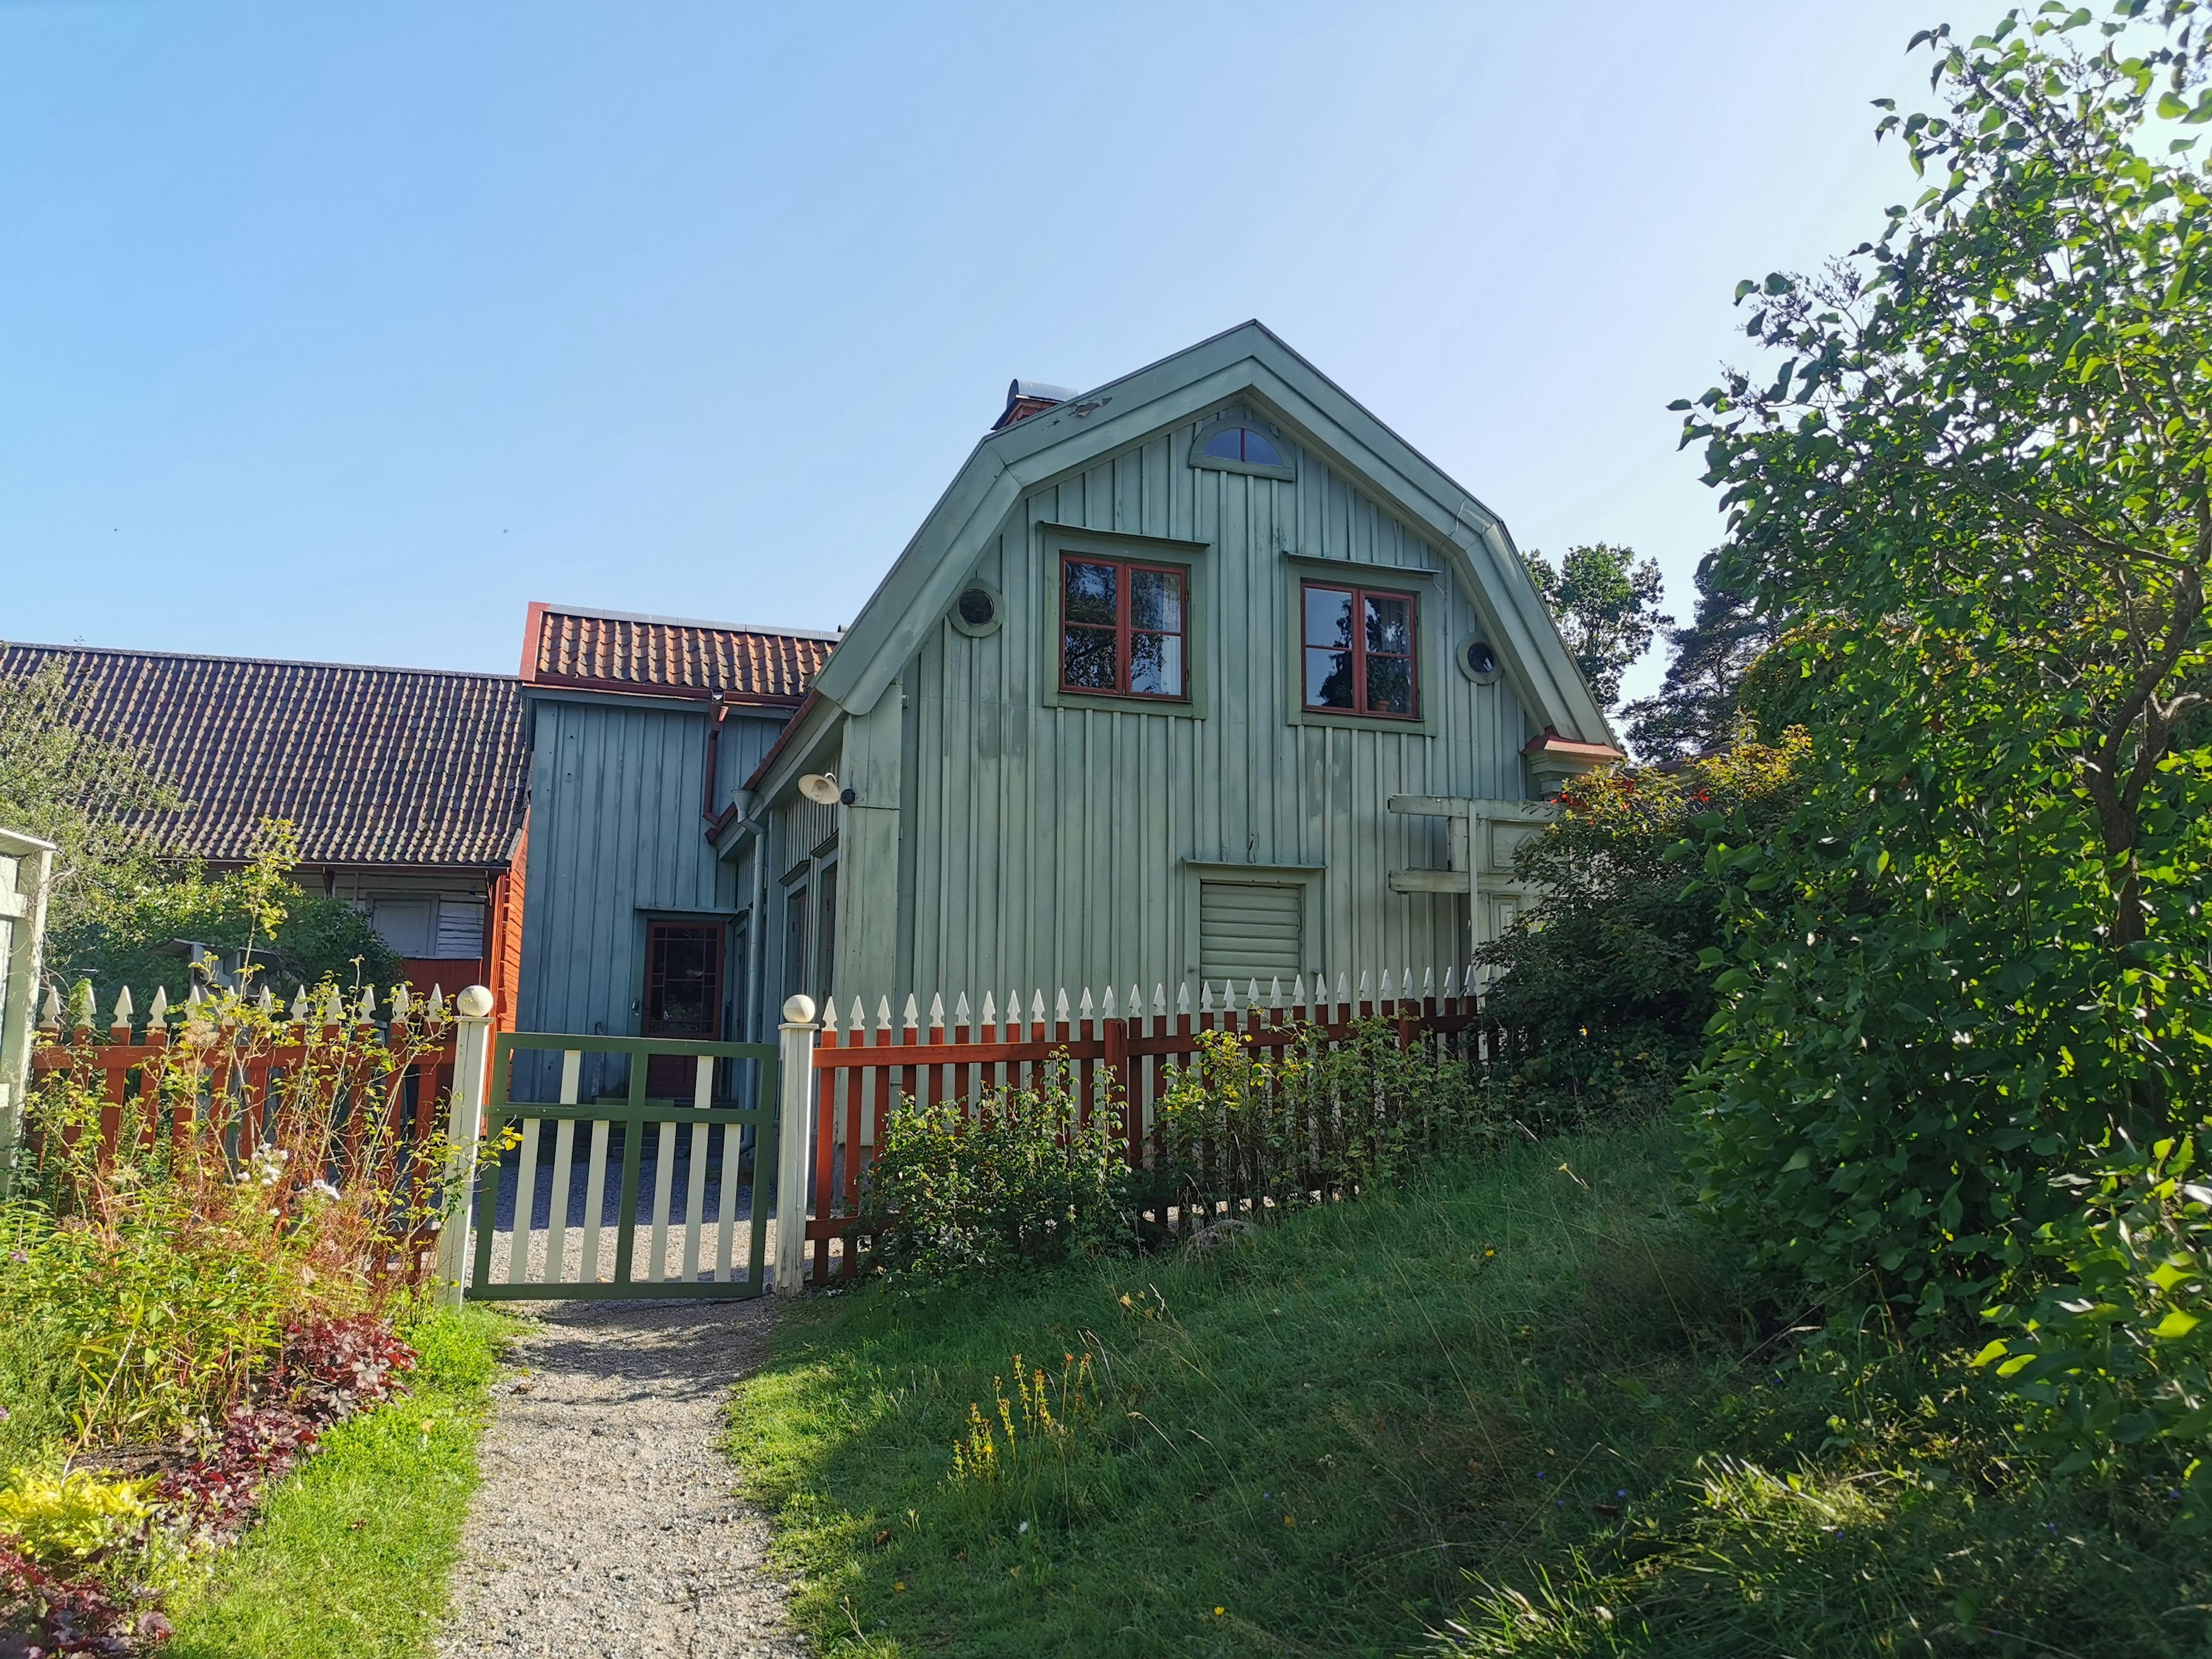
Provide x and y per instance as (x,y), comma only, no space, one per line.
(606,1526)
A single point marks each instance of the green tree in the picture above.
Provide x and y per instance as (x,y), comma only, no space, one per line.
(1695,712)
(1976,954)
(1606,606)
(120,901)
(129,934)
(89,796)
(1603,983)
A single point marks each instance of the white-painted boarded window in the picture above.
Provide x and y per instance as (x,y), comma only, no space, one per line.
(460,928)
(1250,930)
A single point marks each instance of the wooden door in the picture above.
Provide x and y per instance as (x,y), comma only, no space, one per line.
(683,999)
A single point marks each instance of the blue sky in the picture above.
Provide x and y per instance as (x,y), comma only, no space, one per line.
(342,331)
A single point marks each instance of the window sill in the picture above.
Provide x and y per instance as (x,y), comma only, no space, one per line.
(1108,702)
(1420,727)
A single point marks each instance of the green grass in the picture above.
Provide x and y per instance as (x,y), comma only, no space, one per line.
(1363,1427)
(353,1553)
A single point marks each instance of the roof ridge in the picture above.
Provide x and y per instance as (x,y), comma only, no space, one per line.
(263,662)
(600,614)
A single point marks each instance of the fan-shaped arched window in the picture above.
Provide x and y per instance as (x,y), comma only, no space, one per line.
(1241,443)
(1238,443)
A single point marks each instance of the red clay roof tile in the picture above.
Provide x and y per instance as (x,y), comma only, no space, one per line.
(668,656)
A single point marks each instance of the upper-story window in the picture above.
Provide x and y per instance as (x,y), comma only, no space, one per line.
(1122,626)
(1241,443)
(1361,651)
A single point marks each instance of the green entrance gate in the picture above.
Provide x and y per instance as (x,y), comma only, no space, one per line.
(628,1196)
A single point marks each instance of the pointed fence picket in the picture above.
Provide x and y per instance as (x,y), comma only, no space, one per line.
(1123,1063)
(381,1083)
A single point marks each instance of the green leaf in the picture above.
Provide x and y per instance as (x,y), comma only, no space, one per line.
(2175,1325)
(1994,1349)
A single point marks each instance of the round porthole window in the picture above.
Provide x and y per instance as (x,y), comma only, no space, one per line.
(1477,661)
(976,612)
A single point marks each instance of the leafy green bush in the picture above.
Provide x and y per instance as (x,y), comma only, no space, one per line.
(1266,1127)
(66,1518)
(1602,988)
(149,1281)
(1030,1178)
(2110,1352)
(1978,951)
(125,930)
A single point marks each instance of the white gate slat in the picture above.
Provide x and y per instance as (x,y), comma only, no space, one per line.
(695,1203)
(565,1144)
(595,1201)
(526,1205)
(664,1178)
(695,1196)
(733,1144)
(556,1227)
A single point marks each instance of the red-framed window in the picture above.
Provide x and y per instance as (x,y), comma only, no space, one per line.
(1123,628)
(1362,652)
(684,980)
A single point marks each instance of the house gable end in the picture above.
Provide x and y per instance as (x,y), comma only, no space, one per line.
(1247,362)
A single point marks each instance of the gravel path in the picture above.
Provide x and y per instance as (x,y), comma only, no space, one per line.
(606,1526)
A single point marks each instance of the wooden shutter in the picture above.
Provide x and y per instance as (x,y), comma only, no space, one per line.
(1250,930)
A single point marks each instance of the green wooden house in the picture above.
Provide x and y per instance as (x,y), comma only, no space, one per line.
(1201,675)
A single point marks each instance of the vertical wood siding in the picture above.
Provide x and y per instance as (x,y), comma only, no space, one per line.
(616,831)
(1049,842)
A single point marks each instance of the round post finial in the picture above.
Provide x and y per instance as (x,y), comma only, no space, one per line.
(474,1002)
(799,1011)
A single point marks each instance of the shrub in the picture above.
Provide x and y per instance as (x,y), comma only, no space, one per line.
(159,1278)
(1601,989)
(1030,1178)
(67,1518)
(1256,1126)
(2110,1347)
(1979,951)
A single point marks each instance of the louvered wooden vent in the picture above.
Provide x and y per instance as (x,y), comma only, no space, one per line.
(1250,930)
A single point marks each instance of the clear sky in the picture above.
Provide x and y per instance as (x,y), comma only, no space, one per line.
(341,332)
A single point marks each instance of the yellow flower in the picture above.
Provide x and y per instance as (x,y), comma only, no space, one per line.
(899,1588)
(1217,1612)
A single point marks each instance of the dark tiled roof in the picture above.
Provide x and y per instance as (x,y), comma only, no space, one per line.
(668,656)
(404,766)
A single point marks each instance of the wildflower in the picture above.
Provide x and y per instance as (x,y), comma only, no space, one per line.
(1289,1520)
(1217,1612)
(899,1588)
(19,1255)
(324,1189)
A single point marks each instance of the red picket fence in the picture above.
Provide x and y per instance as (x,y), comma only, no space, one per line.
(381,1088)
(858,1077)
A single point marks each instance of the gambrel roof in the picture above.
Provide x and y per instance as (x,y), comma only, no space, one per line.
(372,766)
(1247,362)
(578,648)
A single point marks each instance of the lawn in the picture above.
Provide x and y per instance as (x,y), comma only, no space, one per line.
(352,1554)
(1525,1408)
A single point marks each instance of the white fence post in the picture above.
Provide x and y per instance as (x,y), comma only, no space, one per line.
(471,1056)
(26,866)
(797,1092)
